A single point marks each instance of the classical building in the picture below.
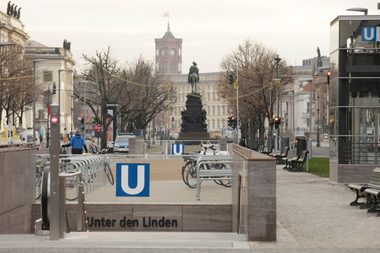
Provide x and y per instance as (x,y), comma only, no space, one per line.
(354,97)
(169,54)
(57,61)
(11,31)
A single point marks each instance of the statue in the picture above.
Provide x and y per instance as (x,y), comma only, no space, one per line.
(193,77)
(18,13)
(66,45)
(319,63)
(9,8)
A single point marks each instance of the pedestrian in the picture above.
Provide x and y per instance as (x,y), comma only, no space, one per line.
(78,144)
(242,142)
(41,138)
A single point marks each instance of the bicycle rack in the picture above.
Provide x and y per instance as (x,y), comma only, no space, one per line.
(212,159)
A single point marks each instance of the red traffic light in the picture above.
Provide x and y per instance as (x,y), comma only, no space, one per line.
(276,119)
(328,73)
(54,119)
(233,118)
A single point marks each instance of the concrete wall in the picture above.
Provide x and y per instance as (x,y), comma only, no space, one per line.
(189,218)
(17,189)
(254,197)
(351,173)
(136,145)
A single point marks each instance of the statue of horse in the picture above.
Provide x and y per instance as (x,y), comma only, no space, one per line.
(193,82)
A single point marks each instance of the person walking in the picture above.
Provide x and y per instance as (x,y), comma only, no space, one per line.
(78,143)
(41,138)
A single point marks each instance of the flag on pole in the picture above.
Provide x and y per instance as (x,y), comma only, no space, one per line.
(166,14)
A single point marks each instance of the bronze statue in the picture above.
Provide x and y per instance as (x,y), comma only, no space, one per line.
(193,77)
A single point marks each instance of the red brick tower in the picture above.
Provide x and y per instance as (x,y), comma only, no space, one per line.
(169,54)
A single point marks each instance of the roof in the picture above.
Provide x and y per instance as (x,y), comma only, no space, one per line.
(33,43)
(168,34)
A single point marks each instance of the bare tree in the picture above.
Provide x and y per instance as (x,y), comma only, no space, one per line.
(141,94)
(257,68)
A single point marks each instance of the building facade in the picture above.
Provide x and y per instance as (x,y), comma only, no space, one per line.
(216,108)
(47,78)
(354,97)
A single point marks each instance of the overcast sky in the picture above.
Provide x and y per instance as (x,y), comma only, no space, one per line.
(209,28)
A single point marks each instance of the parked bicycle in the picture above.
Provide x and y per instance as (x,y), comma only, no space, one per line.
(189,171)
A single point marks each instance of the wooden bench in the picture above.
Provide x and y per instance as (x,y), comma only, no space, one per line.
(371,196)
(295,165)
(283,154)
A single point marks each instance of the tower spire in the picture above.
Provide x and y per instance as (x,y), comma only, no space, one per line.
(168,26)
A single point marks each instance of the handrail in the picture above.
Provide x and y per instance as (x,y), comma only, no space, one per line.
(81,211)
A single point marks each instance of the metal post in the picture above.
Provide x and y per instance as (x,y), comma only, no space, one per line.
(54,173)
(277,59)
(310,122)
(237,106)
(293,125)
(318,144)
(34,98)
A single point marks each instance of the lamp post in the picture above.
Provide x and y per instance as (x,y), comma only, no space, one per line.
(59,93)
(293,120)
(34,96)
(310,80)
(1,94)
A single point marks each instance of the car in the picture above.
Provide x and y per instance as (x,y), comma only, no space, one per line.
(297,137)
(87,136)
(122,143)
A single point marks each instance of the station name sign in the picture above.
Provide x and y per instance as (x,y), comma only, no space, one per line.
(145,222)
(371,33)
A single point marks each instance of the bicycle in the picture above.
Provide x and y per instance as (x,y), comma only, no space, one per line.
(72,183)
(191,173)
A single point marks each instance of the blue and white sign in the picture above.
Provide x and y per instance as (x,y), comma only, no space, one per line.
(178,148)
(371,33)
(132,179)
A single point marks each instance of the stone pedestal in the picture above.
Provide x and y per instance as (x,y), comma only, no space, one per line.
(194,118)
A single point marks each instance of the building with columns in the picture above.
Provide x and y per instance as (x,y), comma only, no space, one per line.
(56,59)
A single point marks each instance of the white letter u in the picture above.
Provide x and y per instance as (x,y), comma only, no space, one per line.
(371,33)
(140,179)
(176,151)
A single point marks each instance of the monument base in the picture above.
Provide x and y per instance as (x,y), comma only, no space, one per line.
(194,135)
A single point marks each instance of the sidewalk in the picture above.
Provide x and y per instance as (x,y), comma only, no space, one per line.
(313,215)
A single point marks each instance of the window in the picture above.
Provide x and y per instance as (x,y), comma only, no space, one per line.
(308,107)
(48,76)
(213,110)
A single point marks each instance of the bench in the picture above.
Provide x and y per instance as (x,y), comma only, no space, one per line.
(361,191)
(296,165)
(283,154)
(268,151)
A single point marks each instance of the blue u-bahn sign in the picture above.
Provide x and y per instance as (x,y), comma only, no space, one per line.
(132,179)
(371,33)
(178,148)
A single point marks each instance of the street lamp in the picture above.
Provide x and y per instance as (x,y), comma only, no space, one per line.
(34,96)
(48,128)
(310,80)
(59,92)
(293,119)
(1,94)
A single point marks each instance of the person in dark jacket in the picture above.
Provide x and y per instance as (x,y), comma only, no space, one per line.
(78,143)
(242,142)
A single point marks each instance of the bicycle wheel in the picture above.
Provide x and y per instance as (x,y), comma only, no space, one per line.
(191,177)
(224,182)
(72,188)
(109,174)
(185,169)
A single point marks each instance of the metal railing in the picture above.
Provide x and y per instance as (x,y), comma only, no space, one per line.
(212,174)
(361,153)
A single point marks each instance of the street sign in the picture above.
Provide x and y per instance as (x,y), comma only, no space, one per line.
(98,128)
(297,128)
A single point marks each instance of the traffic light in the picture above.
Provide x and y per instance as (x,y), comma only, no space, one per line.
(54,89)
(328,77)
(82,121)
(233,122)
(231,79)
(229,121)
(277,121)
